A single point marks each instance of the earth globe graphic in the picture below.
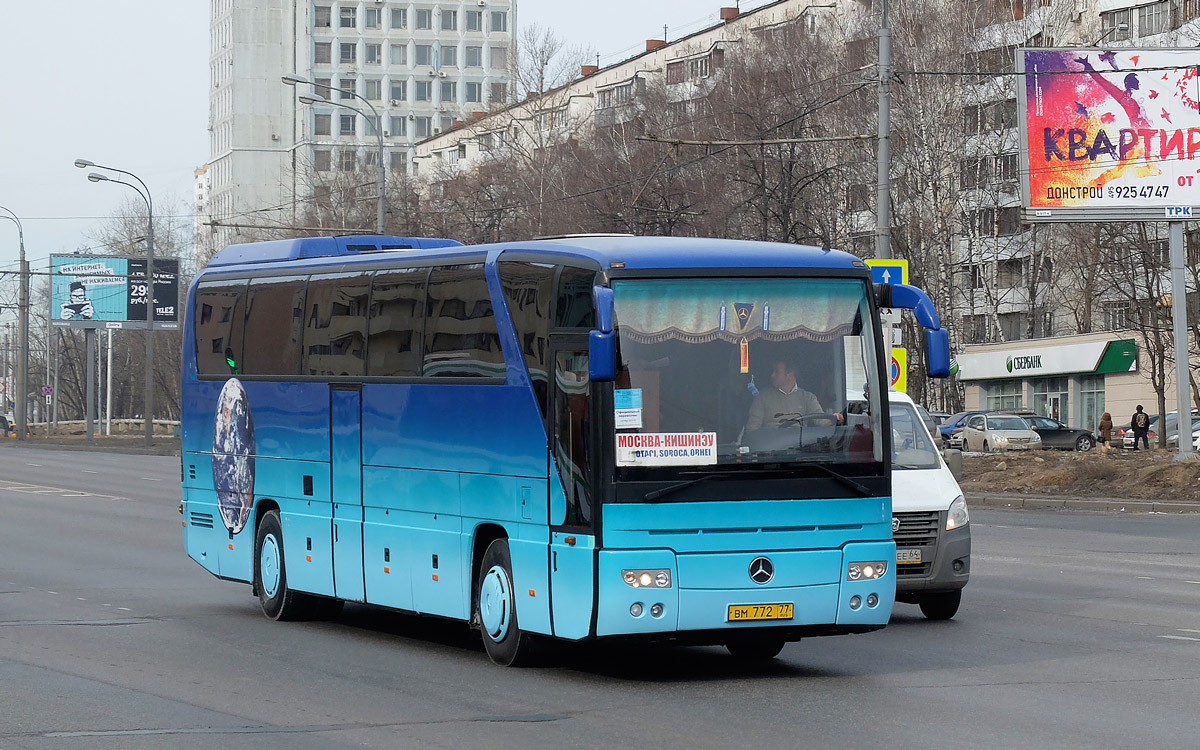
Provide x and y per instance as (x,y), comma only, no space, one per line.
(233,456)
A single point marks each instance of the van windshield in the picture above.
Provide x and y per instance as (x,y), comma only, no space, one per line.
(912,447)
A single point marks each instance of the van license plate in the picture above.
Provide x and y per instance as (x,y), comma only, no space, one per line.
(746,612)
(908,556)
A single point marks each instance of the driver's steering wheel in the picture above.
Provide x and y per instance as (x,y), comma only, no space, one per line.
(802,418)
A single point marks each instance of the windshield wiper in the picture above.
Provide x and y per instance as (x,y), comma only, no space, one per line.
(656,494)
(842,478)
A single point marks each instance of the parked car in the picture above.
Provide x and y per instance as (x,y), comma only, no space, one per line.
(953,422)
(926,417)
(995,432)
(956,439)
(929,518)
(1055,434)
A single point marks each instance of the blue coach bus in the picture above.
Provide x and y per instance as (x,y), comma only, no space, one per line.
(575,438)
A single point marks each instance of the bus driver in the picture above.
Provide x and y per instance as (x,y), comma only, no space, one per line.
(783,401)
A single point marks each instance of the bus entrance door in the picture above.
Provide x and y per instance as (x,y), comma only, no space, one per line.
(346,455)
(572,540)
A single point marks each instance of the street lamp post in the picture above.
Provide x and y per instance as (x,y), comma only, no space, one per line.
(143,191)
(22,388)
(381,201)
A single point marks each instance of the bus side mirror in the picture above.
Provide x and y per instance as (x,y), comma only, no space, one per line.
(938,345)
(602,356)
(602,343)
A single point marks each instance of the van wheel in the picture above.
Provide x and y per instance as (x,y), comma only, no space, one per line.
(503,640)
(940,606)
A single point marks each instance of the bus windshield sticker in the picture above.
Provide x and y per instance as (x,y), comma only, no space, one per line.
(667,449)
(628,407)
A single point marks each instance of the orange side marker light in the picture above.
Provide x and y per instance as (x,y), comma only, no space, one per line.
(386,569)
(532,592)
(435,576)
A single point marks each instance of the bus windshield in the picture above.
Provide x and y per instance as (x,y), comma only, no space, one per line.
(743,373)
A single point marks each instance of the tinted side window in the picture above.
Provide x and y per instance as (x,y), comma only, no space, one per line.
(529,290)
(274,326)
(460,329)
(575,308)
(220,320)
(335,325)
(394,323)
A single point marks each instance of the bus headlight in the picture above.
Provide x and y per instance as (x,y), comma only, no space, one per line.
(865,571)
(640,579)
(958,516)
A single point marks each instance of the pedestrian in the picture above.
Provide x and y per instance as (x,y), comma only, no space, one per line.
(1105,430)
(1141,427)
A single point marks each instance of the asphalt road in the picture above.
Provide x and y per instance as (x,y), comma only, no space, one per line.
(1078,630)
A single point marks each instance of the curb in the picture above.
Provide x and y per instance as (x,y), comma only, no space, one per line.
(1110,505)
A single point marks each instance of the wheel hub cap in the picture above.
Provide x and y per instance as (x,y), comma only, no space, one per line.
(495,603)
(268,566)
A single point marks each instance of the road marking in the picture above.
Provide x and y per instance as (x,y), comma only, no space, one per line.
(1187,630)
(150,479)
(85,471)
(51,592)
(1197,583)
(1145,578)
(1179,638)
(37,489)
(37,465)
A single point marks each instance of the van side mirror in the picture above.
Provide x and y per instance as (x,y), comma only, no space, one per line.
(602,342)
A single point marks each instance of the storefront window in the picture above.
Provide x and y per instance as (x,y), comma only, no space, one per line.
(1050,398)
(1004,394)
(1091,398)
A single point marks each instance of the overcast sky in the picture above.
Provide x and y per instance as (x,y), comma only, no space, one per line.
(125,83)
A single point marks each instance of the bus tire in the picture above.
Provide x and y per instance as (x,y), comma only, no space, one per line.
(503,640)
(270,574)
(762,648)
(940,606)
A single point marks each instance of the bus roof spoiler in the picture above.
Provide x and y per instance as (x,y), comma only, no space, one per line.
(275,251)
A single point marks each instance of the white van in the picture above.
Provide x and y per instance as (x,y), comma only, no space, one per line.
(929,518)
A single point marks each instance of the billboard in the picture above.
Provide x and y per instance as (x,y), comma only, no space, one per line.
(110,292)
(1109,135)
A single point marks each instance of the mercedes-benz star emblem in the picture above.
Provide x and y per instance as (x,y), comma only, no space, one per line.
(895,524)
(761,570)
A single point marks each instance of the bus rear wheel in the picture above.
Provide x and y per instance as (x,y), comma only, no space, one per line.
(503,640)
(762,648)
(270,574)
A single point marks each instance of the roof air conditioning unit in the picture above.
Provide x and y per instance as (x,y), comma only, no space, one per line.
(395,102)
(386,133)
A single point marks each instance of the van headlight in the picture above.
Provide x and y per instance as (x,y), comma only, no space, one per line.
(958,516)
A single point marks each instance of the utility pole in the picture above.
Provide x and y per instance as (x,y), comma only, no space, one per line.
(883,186)
(21,395)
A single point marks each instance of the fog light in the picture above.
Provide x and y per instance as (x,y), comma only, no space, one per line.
(656,610)
(635,609)
(958,566)
(872,600)
(855,602)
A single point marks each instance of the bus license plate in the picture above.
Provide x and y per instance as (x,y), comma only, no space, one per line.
(745,612)
(908,556)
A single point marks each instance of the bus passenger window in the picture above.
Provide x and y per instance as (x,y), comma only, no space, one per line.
(575,306)
(394,323)
(529,290)
(219,317)
(274,327)
(335,332)
(461,340)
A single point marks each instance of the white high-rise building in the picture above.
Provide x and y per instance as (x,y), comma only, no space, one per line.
(422,66)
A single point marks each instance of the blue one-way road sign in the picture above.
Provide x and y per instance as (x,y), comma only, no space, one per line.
(889,271)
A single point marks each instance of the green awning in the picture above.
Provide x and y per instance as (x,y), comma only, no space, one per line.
(1119,356)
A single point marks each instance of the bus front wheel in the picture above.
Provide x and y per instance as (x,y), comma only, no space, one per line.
(503,640)
(270,575)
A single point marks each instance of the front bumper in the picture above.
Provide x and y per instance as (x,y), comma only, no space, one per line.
(705,585)
(947,565)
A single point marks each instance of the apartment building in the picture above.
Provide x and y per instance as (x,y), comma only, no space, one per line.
(406,70)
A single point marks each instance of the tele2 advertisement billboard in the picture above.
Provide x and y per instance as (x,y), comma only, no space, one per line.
(93,291)
(1110,134)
